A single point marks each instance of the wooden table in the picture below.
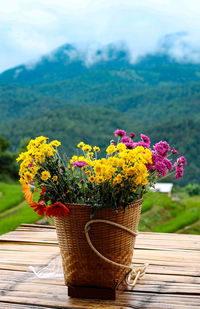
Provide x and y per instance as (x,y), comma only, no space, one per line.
(172,279)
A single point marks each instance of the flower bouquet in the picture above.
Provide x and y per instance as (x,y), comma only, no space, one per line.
(96,203)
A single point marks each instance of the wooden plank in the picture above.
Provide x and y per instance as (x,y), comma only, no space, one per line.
(171,281)
(126,300)
(4,305)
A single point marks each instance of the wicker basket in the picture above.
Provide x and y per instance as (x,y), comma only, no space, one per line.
(82,267)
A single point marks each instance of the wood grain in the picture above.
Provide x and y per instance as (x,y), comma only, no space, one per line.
(172,279)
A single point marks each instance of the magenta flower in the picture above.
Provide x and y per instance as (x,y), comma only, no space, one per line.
(182,160)
(179,167)
(168,164)
(79,163)
(179,170)
(161,168)
(119,133)
(132,135)
(130,145)
(174,151)
(145,139)
(126,139)
(142,143)
(162,148)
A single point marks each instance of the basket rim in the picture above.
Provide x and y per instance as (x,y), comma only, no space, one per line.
(88,206)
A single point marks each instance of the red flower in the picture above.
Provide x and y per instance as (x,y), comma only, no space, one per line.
(43,191)
(57,210)
(40,208)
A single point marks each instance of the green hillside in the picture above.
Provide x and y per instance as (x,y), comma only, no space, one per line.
(66,100)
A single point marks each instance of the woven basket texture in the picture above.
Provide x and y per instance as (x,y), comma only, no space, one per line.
(81,266)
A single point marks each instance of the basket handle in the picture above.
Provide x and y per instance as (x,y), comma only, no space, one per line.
(134,275)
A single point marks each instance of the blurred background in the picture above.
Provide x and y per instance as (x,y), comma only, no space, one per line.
(78,70)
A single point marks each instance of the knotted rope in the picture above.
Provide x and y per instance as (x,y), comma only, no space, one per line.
(135,273)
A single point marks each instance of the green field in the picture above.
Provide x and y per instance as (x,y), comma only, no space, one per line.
(13,209)
(177,214)
(160,213)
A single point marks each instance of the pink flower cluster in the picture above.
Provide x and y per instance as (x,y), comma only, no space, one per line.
(160,152)
(179,167)
(79,163)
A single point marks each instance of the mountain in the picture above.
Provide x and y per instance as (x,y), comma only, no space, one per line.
(68,96)
(68,62)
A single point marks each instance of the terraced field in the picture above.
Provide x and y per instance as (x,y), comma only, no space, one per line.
(160,213)
(179,214)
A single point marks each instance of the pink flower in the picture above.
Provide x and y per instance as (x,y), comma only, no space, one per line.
(161,168)
(182,160)
(132,135)
(179,170)
(174,151)
(126,139)
(162,148)
(142,143)
(145,139)
(130,145)
(79,163)
(179,167)
(168,164)
(119,133)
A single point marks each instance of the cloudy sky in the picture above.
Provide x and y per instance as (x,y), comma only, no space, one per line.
(31,28)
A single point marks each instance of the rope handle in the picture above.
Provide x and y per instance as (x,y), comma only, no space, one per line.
(134,274)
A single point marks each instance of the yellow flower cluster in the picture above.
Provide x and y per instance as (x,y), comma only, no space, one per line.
(37,152)
(120,165)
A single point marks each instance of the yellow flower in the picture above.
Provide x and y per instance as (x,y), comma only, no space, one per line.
(96,149)
(22,156)
(80,145)
(88,173)
(74,158)
(55,143)
(87,148)
(45,175)
(119,178)
(55,178)
(121,147)
(111,149)
(97,168)
(130,171)
(91,179)
(99,179)
(28,177)
(50,152)
(115,181)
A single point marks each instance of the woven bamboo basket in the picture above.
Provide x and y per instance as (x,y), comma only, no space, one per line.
(81,265)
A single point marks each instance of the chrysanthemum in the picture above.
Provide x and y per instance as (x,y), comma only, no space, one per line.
(174,151)
(45,175)
(96,149)
(79,163)
(119,133)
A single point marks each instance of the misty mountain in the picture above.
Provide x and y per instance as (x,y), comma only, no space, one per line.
(112,62)
(155,85)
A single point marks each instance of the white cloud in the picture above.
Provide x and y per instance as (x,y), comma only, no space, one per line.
(30,28)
